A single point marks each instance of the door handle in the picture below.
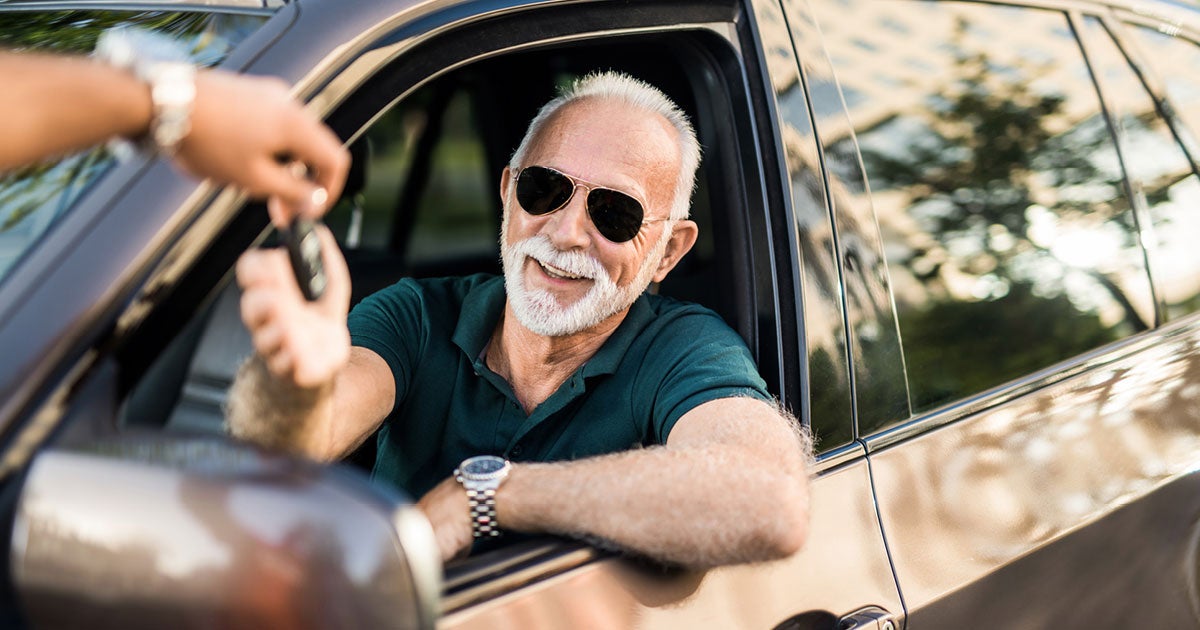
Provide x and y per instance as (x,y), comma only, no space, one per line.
(869,618)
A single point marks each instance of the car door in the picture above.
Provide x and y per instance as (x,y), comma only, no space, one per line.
(126,361)
(747,268)
(1029,200)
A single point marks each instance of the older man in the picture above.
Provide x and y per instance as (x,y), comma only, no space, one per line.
(560,398)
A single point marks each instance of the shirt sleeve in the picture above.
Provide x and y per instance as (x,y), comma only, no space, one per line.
(392,324)
(697,358)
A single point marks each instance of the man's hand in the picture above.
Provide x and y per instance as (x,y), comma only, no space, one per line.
(243,125)
(302,343)
(448,512)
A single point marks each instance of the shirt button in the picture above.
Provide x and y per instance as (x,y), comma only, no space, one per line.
(517,451)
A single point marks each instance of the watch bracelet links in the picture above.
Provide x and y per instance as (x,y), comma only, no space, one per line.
(483,513)
(173,93)
(171,82)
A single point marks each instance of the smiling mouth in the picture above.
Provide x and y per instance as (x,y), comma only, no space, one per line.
(555,272)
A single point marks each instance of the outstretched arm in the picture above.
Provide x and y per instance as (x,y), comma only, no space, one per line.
(730,486)
(240,125)
(305,390)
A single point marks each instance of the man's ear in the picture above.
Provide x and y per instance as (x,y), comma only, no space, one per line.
(683,237)
(505,177)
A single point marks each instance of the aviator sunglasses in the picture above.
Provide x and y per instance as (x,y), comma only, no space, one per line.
(616,215)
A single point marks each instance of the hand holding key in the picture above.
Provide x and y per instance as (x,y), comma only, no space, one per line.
(303,245)
(304,252)
(295,300)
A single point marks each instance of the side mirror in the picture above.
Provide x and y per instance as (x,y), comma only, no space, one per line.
(158,531)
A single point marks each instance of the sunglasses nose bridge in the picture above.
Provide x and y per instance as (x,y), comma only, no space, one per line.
(568,224)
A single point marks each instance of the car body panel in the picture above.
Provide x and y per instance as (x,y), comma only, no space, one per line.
(1026,509)
(845,542)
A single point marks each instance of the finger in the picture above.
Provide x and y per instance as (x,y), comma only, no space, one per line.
(264,268)
(268,339)
(321,150)
(280,216)
(247,269)
(258,309)
(269,178)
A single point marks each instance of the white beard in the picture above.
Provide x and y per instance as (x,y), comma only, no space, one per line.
(539,311)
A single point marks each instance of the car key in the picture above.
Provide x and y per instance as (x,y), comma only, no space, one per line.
(304,250)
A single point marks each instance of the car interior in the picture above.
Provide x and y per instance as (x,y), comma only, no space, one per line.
(423,200)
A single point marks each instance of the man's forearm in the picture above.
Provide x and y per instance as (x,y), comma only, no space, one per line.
(53,105)
(278,415)
(702,506)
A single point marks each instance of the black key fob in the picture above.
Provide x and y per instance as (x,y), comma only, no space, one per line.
(304,250)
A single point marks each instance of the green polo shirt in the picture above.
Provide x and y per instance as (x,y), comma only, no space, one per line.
(666,358)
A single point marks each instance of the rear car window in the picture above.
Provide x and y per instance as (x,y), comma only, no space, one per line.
(1011,240)
(34,197)
(1162,170)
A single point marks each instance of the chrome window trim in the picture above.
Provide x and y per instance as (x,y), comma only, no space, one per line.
(835,458)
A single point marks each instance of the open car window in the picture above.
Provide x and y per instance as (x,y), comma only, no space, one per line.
(422,200)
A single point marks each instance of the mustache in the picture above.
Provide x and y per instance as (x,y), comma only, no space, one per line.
(576,263)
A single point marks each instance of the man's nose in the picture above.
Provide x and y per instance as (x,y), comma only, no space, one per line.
(568,227)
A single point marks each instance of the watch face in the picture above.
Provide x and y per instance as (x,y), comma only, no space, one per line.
(483,465)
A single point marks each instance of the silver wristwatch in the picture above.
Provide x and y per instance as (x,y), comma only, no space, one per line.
(165,67)
(480,477)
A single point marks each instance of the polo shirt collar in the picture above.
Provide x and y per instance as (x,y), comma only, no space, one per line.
(481,309)
(609,356)
(483,304)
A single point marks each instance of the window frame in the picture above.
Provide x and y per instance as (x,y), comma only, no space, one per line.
(201,263)
(925,421)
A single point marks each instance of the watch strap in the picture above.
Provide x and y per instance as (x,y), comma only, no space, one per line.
(164,66)
(481,502)
(483,513)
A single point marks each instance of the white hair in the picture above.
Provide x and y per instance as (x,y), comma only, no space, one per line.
(641,95)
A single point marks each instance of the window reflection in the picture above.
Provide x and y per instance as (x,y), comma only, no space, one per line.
(1161,169)
(1011,243)
(1175,60)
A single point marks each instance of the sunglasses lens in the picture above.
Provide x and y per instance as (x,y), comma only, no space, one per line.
(541,190)
(616,215)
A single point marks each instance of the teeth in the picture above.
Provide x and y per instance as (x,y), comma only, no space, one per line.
(558,273)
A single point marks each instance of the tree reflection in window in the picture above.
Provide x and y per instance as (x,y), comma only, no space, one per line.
(1010,237)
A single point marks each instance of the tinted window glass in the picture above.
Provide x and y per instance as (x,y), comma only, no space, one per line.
(823,332)
(1175,60)
(427,166)
(1011,242)
(455,215)
(33,197)
(1161,170)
